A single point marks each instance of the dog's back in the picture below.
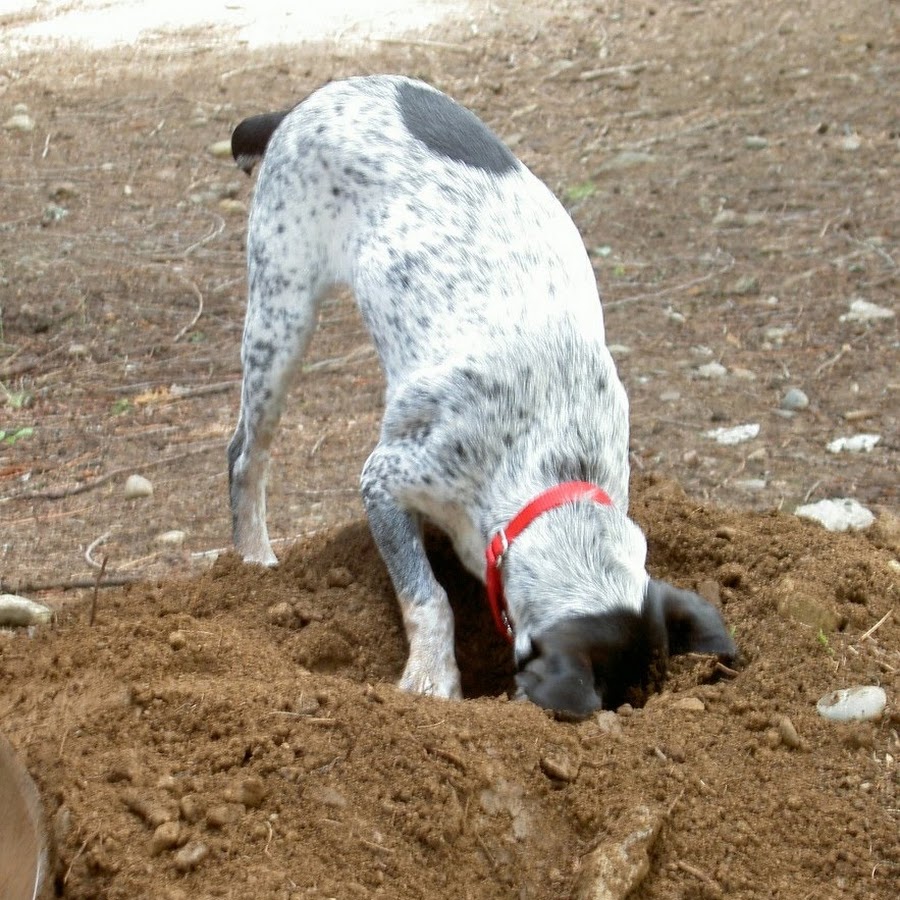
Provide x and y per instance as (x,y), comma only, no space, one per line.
(447,240)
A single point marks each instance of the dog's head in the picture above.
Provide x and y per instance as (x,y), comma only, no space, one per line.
(578,665)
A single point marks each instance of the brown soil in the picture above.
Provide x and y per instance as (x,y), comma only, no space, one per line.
(252,712)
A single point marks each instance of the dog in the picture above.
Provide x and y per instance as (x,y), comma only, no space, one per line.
(505,422)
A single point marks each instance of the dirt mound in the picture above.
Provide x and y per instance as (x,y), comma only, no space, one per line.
(238,734)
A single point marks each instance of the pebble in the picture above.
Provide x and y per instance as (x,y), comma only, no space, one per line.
(339,577)
(329,796)
(864,311)
(53,212)
(794,399)
(857,443)
(190,808)
(689,704)
(251,792)
(737,434)
(615,868)
(223,814)
(798,600)
(280,613)
(558,768)
(165,837)
(137,487)
(171,538)
(711,370)
(20,612)
(63,190)
(788,733)
(853,704)
(21,121)
(190,856)
(838,514)
(755,142)
(177,640)
(749,284)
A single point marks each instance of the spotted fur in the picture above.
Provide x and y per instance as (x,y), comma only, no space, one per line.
(482,304)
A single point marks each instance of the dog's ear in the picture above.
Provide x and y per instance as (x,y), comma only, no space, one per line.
(560,681)
(692,624)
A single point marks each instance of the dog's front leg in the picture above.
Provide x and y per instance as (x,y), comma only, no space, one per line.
(431,667)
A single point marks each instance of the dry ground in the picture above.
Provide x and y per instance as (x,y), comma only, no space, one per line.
(733,169)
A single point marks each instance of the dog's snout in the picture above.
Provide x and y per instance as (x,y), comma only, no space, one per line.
(561,683)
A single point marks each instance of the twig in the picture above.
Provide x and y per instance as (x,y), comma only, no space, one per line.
(72,584)
(71,490)
(198,293)
(93,546)
(698,873)
(46,149)
(185,393)
(725,670)
(422,42)
(637,298)
(875,627)
(830,362)
(220,227)
(487,853)
(93,616)
(594,74)
(78,853)
(809,493)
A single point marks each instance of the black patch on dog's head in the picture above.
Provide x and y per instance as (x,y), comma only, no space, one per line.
(604,660)
(451,130)
(619,656)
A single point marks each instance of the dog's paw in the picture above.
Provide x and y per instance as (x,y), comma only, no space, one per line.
(261,558)
(432,679)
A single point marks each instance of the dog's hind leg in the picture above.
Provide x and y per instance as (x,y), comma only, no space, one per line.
(281,317)
(431,666)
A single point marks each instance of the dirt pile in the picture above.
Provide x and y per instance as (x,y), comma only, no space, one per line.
(238,734)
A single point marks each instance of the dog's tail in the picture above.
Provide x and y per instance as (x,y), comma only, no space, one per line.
(250,139)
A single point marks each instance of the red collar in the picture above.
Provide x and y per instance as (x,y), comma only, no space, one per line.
(567,492)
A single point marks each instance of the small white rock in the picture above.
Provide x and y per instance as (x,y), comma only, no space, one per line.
(137,486)
(173,538)
(839,514)
(853,704)
(735,435)
(19,122)
(794,399)
(711,370)
(864,311)
(618,350)
(20,612)
(857,443)
(755,142)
